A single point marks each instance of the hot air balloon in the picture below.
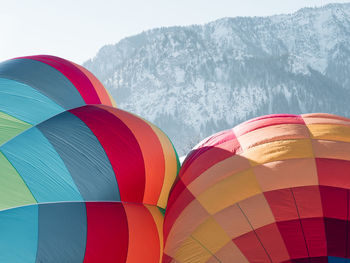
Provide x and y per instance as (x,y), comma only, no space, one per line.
(78,182)
(273,189)
(35,88)
(86,185)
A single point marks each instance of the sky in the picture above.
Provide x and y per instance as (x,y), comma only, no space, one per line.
(77,29)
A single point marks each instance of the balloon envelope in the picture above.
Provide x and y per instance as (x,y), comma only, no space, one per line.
(35,88)
(273,189)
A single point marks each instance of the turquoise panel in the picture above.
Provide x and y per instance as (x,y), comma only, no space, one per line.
(25,103)
(44,78)
(19,234)
(41,167)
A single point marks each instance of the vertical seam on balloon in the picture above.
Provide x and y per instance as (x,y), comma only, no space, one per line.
(25,183)
(37,239)
(86,238)
(196,240)
(301,225)
(246,217)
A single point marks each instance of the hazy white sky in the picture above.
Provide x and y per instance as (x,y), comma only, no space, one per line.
(76,29)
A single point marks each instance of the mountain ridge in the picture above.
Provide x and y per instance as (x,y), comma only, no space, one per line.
(195,80)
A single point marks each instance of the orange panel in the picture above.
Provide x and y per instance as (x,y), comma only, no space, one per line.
(331,149)
(218,172)
(232,220)
(286,174)
(279,150)
(144,243)
(273,133)
(257,210)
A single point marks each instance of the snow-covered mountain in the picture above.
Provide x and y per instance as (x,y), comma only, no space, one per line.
(196,80)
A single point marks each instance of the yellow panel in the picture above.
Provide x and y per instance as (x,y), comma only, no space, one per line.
(279,150)
(229,191)
(286,174)
(192,252)
(330,132)
(273,133)
(171,167)
(217,173)
(159,220)
(257,210)
(331,149)
(211,235)
(191,217)
(231,253)
(232,220)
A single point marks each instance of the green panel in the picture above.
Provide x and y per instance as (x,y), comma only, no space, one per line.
(13,190)
(10,127)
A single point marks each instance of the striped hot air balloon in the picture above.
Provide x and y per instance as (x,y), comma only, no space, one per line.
(35,88)
(273,189)
(79,181)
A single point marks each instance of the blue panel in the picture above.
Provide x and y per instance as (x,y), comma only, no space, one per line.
(338,260)
(25,103)
(41,167)
(19,234)
(43,78)
(62,232)
(83,155)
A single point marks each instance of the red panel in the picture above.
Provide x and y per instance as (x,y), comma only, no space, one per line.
(268,120)
(333,172)
(177,207)
(177,189)
(107,233)
(334,202)
(201,159)
(272,240)
(314,232)
(166,259)
(251,248)
(293,237)
(282,204)
(336,232)
(74,74)
(122,150)
(308,201)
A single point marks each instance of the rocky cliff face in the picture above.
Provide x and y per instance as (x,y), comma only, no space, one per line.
(196,80)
